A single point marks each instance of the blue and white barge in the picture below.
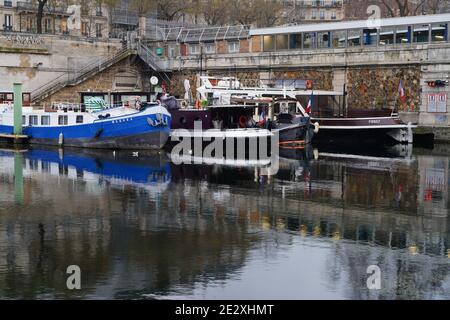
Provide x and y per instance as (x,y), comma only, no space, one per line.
(118,127)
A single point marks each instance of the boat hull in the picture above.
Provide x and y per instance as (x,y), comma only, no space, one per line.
(138,131)
(368,130)
(297,134)
(142,141)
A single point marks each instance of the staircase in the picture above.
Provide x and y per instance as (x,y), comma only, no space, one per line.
(149,57)
(69,79)
(91,69)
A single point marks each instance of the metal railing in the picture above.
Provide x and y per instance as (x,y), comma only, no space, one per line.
(86,71)
(33,7)
(175,32)
(149,57)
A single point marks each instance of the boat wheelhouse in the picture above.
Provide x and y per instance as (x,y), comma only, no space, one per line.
(7,97)
(333,119)
(232,110)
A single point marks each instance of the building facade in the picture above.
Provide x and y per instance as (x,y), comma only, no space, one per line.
(86,21)
(312,11)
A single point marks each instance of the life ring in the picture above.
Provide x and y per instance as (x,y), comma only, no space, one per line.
(309,84)
(243,122)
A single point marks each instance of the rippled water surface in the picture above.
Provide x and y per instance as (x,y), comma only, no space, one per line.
(139,226)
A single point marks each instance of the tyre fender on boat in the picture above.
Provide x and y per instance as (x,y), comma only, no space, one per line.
(243,121)
(316,127)
(61,139)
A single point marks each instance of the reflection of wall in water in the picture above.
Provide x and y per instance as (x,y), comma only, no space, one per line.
(433,186)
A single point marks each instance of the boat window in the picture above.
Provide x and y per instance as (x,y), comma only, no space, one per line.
(6,97)
(24,120)
(45,120)
(79,119)
(26,99)
(62,120)
(33,120)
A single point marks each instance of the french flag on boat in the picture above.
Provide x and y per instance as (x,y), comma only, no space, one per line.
(309,106)
(401,91)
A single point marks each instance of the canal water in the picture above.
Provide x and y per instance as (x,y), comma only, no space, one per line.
(141,227)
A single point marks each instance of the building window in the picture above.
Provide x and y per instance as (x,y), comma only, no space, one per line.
(339,39)
(333,15)
(421,33)
(323,39)
(47,25)
(8,3)
(309,40)
(85,28)
(62,120)
(7,26)
(210,47)
(33,120)
(295,41)
(233,47)
(282,41)
(354,38)
(98,30)
(322,15)
(439,32)
(386,36)
(194,48)
(45,120)
(403,35)
(99,11)
(268,43)
(63,27)
(313,14)
(29,24)
(79,119)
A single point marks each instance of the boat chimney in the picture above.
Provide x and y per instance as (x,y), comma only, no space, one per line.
(17,108)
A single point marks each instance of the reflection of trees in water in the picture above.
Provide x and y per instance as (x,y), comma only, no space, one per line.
(203,226)
(125,241)
(361,238)
(403,275)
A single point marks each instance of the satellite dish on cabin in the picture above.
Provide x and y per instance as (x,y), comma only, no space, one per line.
(154,81)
